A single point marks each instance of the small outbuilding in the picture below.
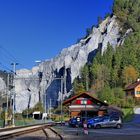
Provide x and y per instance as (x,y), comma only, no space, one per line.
(37,115)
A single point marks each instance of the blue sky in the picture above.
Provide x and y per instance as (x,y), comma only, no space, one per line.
(39,29)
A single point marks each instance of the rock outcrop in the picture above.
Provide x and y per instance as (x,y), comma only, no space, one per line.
(30,85)
(2,86)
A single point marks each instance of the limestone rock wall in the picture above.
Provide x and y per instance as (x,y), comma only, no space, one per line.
(31,85)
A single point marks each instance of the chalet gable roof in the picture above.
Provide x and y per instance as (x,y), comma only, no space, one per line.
(133,85)
(84,94)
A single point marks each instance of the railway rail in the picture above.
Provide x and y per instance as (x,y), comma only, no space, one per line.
(8,133)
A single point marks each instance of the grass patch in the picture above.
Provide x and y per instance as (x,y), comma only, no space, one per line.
(128,114)
(58,117)
(25,121)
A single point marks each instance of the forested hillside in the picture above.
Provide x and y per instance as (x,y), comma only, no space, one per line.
(111,71)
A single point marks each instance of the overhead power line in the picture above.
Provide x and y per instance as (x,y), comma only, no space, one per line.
(8,54)
(7,57)
(5,67)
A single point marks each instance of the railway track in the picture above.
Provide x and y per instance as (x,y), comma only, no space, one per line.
(13,133)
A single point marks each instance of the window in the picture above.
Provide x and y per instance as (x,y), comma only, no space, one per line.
(84,102)
(137,92)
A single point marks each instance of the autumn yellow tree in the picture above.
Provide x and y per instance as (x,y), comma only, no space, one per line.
(129,74)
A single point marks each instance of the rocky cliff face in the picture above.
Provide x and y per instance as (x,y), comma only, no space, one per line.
(30,85)
(2,86)
(3,82)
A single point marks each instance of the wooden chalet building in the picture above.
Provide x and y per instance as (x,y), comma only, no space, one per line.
(133,89)
(85,105)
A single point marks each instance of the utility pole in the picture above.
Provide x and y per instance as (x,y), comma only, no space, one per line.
(13,113)
(44,102)
(45,106)
(85,104)
(6,112)
(50,108)
(7,89)
(40,79)
(61,98)
(65,84)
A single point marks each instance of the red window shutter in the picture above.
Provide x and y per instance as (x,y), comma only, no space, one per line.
(78,102)
(89,102)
